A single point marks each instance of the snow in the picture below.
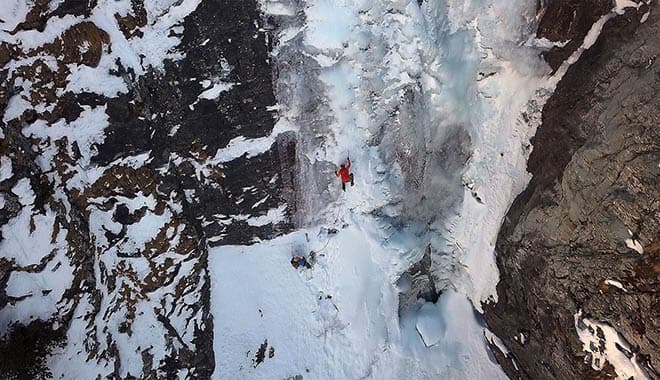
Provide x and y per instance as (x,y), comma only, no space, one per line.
(611,347)
(138,53)
(128,298)
(278,9)
(429,324)
(23,190)
(16,106)
(635,245)
(339,319)
(158,43)
(446,64)
(95,79)
(273,216)
(495,340)
(492,338)
(32,39)
(13,13)
(86,131)
(330,23)
(460,354)
(256,295)
(96,344)
(28,240)
(590,39)
(547,44)
(216,90)
(42,290)
(616,284)
(5,168)
(621,5)
(240,146)
(81,179)
(68,362)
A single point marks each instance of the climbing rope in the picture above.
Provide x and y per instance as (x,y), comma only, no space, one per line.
(324,247)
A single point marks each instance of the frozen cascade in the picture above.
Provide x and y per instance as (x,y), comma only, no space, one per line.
(435,103)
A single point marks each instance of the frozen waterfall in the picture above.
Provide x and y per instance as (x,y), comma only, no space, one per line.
(435,101)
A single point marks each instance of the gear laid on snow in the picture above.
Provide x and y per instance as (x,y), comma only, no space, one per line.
(345,174)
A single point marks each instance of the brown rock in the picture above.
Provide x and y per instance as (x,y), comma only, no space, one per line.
(131,23)
(36,18)
(82,44)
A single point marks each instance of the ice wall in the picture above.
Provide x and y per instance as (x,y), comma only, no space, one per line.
(482,86)
(437,99)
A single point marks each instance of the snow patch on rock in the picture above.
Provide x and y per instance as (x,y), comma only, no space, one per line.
(605,345)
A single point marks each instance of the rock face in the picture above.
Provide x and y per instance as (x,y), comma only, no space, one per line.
(579,246)
(109,199)
(568,22)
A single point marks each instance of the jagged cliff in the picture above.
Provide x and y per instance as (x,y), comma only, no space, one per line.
(579,251)
(115,179)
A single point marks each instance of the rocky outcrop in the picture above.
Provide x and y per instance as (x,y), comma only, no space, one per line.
(578,251)
(566,23)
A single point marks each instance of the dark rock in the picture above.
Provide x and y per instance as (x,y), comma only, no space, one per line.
(595,184)
(24,350)
(261,354)
(75,7)
(567,20)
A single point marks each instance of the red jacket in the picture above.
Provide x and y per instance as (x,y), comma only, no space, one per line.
(344,173)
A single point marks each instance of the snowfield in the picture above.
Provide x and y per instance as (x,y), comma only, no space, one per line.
(337,320)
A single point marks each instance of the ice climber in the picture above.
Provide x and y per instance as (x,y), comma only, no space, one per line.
(345,175)
(300,262)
